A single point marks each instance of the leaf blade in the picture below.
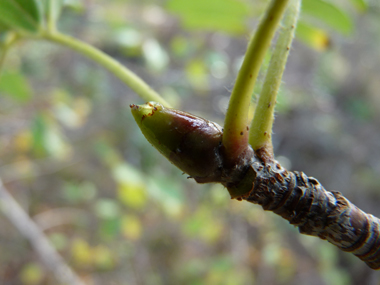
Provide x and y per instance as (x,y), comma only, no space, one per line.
(360,5)
(329,14)
(21,15)
(228,15)
(15,86)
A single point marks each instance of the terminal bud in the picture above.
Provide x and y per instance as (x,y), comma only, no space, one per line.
(191,143)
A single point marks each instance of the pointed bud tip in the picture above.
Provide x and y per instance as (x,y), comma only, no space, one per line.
(145,110)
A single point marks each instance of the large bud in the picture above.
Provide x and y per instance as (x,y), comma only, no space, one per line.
(189,142)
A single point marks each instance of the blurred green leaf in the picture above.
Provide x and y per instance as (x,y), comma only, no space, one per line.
(110,228)
(107,209)
(130,40)
(197,74)
(330,14)
(3,28)
(336,276)
(107,153)
(360,109)
(22,15)
(15,85)
(228,15)
(361,5)
(313,37)
(156,57)
(52,9)
(75,193)
(48,138)
(168,192)
(131,190)
(204,225)
(55,143)
(59,240)
(38,131)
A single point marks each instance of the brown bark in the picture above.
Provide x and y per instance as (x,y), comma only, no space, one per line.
(305,203)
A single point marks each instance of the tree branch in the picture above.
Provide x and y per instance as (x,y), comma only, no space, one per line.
(27,227)
(306,204)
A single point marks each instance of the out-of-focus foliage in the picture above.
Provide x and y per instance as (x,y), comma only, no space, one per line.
(21,15)
(197,14)
(117,211)
(15,85)
(232,16)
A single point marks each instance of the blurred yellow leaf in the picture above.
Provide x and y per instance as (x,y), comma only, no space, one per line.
(313,37)
(102,258)
(204,225)
(23,141)
(31,274)
(131,187)
(131,227)
(23,166)
(197,74)
(132,194)
(212,232)
(81,252)
(82,107)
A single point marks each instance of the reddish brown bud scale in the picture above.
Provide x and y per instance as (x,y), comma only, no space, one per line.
(189,142)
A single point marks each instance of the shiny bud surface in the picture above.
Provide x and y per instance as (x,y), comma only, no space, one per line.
(189,142)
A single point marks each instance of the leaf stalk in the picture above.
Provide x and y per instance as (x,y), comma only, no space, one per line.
(127,76)
(235,135)
(260,136)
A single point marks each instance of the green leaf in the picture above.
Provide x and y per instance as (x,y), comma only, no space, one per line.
(39,127)
(107,209)
(330,14)
(3,28)
(109,228)
(15,85)
(361,5)
(227,15)
(22,15)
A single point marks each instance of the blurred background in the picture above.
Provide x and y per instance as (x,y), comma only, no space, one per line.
(116,210)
